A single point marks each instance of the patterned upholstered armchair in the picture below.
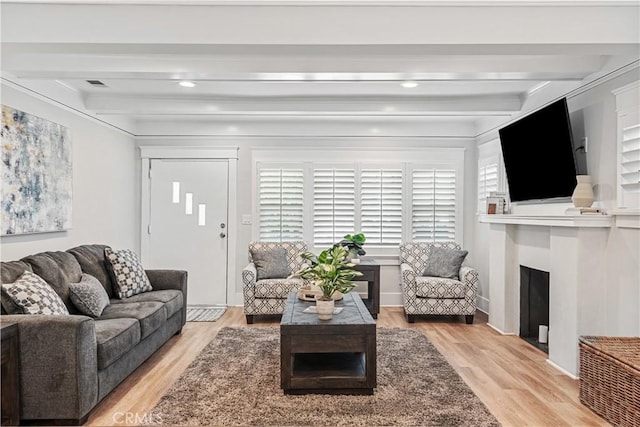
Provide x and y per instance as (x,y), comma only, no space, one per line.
(435,295)
(268,296)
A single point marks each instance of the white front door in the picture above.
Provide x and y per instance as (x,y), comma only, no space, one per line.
(188,224)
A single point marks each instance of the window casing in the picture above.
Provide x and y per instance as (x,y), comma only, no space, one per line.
(390,201)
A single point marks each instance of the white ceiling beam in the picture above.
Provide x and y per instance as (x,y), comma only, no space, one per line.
(300,67)
(325,24)
(505,47)
(298,106)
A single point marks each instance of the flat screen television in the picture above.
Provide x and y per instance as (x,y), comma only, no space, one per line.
(539,156)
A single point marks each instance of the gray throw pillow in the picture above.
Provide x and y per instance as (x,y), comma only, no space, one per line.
(30,294)
(127,272)
(271,263)
(443,262)
(89,296)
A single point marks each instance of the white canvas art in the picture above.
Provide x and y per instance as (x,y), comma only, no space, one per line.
(36,185)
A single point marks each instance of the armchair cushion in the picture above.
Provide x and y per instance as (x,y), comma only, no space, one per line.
(444,262)
(438,287)
(271,263)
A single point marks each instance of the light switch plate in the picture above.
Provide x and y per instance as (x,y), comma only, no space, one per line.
(246,219)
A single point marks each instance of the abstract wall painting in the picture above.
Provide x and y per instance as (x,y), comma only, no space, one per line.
(36,187)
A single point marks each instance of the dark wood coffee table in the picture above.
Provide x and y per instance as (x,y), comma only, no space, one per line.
(336,356)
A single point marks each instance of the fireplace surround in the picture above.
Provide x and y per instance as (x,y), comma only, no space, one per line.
(572,249)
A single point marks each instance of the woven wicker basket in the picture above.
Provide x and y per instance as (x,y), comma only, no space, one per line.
(610,378)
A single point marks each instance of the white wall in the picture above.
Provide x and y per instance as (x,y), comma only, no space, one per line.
(390,274)
(105,183)
(594,112)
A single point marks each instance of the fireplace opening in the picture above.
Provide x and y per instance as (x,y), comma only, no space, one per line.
(534,306)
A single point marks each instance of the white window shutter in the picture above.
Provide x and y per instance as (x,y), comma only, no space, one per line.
(487,182)
(381,206)
(280,193)
(433,210)
(333,205)
(630,158)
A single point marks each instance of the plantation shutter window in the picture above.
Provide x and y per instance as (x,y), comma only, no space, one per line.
(630,158)
(433,206)
(381,205)
(333,205)
(487,182)
(628,141)
(280,204)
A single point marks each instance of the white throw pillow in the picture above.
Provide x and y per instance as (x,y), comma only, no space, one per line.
(30,294)
(127,273)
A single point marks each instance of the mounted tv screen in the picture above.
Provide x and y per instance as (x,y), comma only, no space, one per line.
(538,155)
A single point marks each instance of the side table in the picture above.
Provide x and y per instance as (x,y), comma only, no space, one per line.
(370,270)
(10,375)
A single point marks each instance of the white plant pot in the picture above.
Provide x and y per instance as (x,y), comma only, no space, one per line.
(583,194)
(325,309)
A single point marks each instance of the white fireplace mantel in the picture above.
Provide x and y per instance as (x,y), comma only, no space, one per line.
(572,250)
(551,220)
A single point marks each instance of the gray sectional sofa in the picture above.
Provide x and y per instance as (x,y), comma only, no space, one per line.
(69,363)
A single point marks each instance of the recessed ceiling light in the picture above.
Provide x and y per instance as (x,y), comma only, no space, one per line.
(186,83)
(409,84)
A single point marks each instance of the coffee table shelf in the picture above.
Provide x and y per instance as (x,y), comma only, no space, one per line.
(337,356)
(329,365)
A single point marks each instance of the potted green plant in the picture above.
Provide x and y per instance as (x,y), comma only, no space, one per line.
(353,243)
(332,272)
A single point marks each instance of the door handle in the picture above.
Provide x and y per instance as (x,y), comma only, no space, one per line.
(223,235)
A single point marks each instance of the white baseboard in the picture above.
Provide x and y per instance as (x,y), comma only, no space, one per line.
(564,371)
(391,299)
(498,330)
(483,304)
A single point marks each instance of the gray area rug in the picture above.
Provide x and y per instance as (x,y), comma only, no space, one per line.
(204,314)
(236,381)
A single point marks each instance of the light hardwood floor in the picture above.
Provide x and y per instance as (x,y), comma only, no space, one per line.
(510,376)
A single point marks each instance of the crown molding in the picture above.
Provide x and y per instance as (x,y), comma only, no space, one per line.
(349,3)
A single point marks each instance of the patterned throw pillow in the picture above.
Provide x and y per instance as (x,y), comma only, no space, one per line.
(271,263)
(30,294)
(128,274)
(89,296)
(443,262)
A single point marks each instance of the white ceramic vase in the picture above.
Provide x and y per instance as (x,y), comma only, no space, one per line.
(325,309)
(583,194)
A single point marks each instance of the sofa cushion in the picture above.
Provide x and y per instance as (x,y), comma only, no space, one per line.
(11,270)
(171,298)
(30,294)
(441,288)
(150,314)
(89,296)
(58,269)
(115,337)
(92,261)
(276,288)
(127,273)
(444,262)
